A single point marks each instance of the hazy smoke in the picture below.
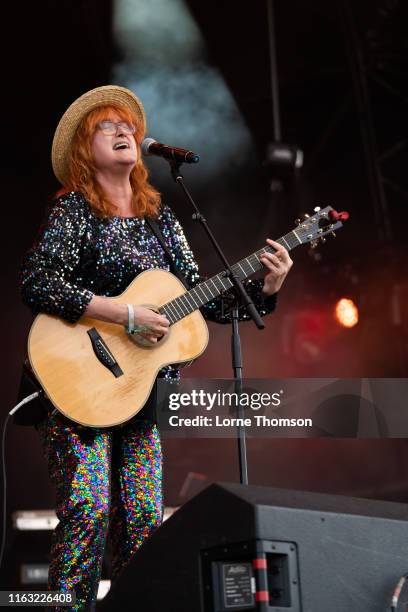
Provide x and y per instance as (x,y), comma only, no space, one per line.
(187,102)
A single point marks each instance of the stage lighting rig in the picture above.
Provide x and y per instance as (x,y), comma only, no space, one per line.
(283,162)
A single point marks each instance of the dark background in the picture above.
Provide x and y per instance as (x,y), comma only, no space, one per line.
(54,51)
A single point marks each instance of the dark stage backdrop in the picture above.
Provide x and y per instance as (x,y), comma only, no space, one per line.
(61,49)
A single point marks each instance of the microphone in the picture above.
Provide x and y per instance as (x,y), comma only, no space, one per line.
(152,147)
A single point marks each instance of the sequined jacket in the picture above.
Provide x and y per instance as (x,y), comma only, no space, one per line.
(79,254)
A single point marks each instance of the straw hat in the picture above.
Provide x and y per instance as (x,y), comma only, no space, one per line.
(70,120)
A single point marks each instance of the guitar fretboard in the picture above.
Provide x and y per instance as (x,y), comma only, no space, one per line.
(206,291)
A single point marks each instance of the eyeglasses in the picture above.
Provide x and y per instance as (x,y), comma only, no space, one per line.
(110,127)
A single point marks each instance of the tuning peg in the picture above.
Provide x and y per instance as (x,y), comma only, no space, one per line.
(333,234)
(322,239)
(317,209)
(314,244)
(306,216)
(297,221)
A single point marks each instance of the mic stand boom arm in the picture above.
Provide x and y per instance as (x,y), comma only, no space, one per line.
(197,216)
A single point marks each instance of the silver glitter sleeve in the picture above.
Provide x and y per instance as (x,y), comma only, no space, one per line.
(48,272)
(219,309)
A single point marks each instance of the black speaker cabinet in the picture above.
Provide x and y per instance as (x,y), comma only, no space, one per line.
(254,548)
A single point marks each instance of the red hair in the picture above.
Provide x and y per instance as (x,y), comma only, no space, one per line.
(82,171)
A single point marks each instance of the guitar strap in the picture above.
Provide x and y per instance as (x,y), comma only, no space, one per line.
(154,227)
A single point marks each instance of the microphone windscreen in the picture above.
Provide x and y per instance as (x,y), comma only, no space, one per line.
(146,145)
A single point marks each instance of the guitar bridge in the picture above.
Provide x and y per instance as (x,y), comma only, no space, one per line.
(103,353)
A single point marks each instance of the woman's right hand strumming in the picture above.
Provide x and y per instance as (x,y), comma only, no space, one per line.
(106,309)
(157,324)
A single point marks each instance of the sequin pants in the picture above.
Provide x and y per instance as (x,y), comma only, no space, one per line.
(107,481)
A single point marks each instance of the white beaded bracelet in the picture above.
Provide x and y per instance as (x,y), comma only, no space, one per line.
(131,318)
(131,327)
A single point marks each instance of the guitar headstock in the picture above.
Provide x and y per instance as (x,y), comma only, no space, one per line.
(323,222)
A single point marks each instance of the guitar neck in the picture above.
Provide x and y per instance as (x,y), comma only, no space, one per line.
(206,291)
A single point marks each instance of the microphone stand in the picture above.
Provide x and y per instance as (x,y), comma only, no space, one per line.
(244,299)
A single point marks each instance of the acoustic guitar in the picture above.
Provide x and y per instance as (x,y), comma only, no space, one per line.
(95,374)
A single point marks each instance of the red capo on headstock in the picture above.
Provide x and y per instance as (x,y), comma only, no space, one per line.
(338,216)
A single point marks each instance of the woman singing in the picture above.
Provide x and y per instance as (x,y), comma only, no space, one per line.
(94,242)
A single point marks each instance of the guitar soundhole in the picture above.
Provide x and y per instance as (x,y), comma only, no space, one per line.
(143,342)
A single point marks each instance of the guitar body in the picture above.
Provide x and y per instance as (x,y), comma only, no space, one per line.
(84,389)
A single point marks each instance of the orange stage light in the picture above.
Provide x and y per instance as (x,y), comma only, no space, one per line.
(346,312)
